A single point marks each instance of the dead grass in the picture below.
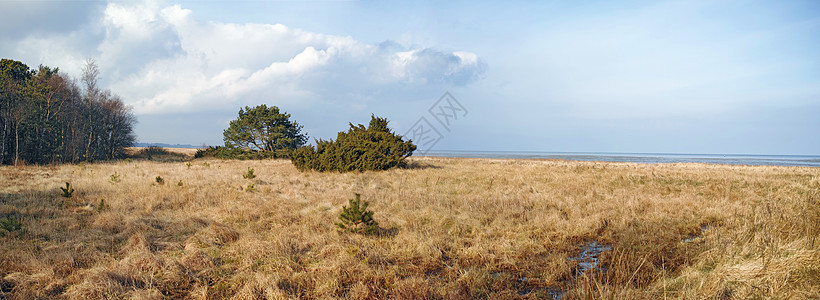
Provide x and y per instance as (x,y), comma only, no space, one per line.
(450,228)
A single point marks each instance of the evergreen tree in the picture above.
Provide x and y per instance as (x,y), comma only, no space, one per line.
(361,148)
(263,129)
(356,218)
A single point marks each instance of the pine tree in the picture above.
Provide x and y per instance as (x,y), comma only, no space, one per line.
(361,148)
(68,191)
(356,218)
(261,128)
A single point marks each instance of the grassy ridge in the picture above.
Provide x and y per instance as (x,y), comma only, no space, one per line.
(450,228)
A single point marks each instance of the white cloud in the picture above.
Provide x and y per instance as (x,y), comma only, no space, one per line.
(163,60)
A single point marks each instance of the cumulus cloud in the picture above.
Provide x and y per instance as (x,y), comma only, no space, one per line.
(161,59)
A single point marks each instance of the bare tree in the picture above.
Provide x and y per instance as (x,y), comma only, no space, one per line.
(91,73)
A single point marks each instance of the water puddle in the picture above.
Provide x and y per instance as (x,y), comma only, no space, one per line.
(588,262)
(703,229)
(532,287)
(551,292)
(588,258)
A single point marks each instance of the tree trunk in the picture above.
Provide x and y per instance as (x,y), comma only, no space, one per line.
(3,152)
(88,145)
(90,131)
(16,144)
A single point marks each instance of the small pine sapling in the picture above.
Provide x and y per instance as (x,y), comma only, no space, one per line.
(102,206)
(9,224)
(115,177)
(68,191)
(356,218)
(249,175)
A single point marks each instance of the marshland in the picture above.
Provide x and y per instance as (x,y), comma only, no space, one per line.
(448,228)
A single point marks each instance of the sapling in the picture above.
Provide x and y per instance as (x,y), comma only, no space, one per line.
(115,177)
(9,224)
(68,191)
(249,175)
(356,218)
(102,206)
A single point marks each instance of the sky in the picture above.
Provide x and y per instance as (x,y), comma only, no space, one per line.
(732,77)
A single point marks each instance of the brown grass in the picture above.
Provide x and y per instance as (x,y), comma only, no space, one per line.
(450,228)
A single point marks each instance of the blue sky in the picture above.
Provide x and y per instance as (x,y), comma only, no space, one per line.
(617,76)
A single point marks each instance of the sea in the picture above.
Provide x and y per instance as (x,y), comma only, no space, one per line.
(643,158)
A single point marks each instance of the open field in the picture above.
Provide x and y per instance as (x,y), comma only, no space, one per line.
(450,228)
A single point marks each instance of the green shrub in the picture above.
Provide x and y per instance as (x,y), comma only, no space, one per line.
(154,150)
(361,148)
(240,154)
(159,180)
(115,177)
(356,218)
(159,153)
(249,175)
(9,224)
(68,191)
(151,151)
(102,206)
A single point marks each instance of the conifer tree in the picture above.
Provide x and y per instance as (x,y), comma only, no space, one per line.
(361,148)
(263,128)
(356,218)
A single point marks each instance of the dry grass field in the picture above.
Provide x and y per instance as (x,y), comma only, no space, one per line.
(449,228)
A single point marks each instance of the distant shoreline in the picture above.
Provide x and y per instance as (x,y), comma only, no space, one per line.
(643,158)
(163,145)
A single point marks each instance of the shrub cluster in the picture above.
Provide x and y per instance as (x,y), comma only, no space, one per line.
(158,153)
(153,150)
(375,147)
(222,152)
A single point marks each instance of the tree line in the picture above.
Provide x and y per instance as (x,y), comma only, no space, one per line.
(47,116)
